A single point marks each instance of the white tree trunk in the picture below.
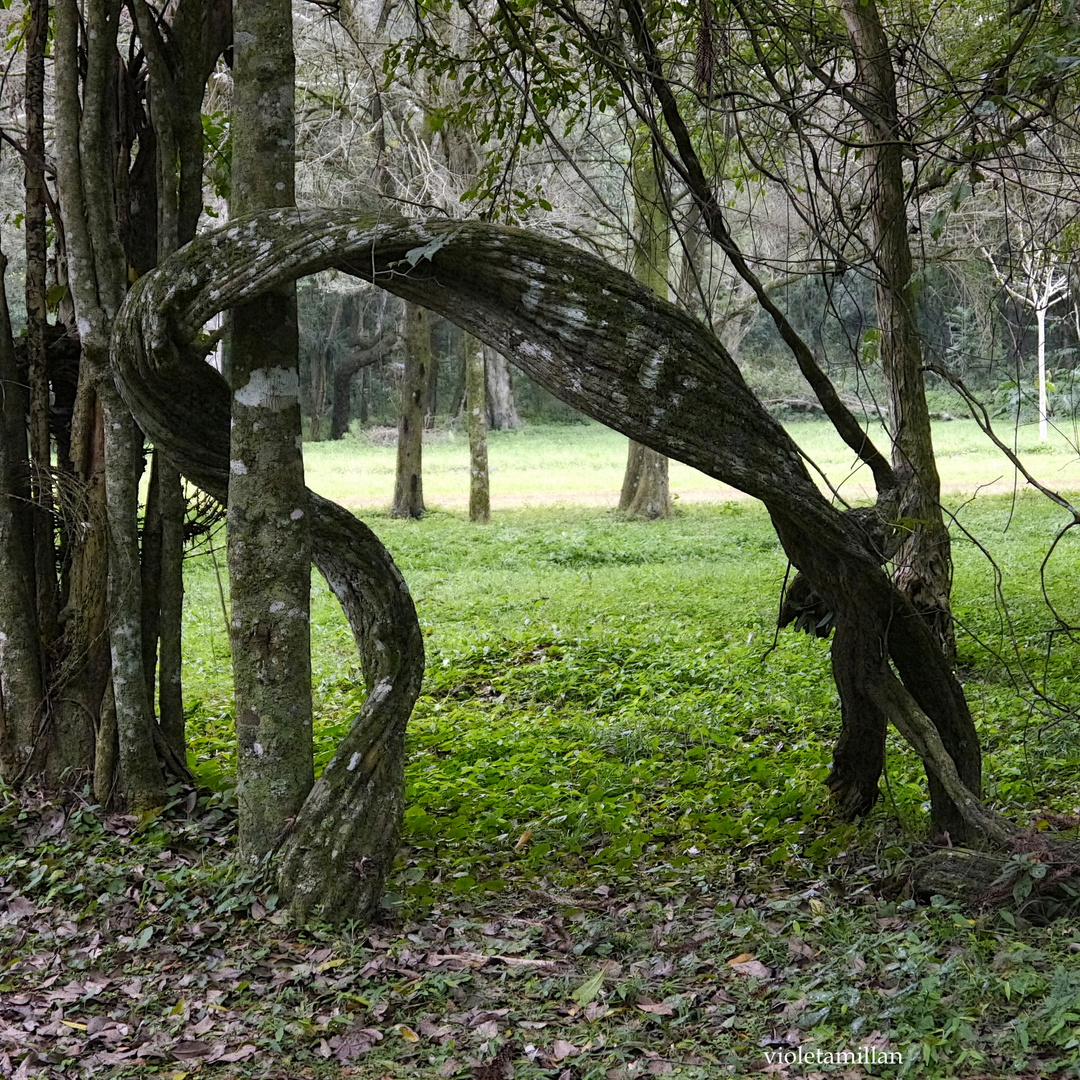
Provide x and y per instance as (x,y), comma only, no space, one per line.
(1040,321)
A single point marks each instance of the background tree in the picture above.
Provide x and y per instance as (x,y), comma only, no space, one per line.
(645,492)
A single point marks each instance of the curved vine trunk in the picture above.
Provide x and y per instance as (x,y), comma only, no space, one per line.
(606,345)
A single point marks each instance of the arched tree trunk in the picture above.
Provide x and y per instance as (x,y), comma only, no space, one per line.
(588,333)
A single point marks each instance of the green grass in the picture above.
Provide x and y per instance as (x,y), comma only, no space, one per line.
(615,776)
(582,464)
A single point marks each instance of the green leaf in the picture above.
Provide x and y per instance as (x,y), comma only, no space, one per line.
(588,990)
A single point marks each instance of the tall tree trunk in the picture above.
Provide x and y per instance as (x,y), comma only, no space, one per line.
(645,492)
(141,782)
(171,607)
(21,685)
(431,390)
(150,566)
(98,276)
(502,412)
(269,560)
(924,561)
(409,484)
(34,225)
(476,412)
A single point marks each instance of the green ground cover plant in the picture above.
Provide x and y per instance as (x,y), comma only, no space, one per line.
(618,859)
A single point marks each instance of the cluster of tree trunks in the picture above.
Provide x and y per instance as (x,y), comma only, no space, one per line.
(81,623)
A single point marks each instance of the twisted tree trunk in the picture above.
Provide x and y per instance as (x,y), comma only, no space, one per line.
(606,345)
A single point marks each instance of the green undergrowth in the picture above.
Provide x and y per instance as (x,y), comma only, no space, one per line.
(618,858)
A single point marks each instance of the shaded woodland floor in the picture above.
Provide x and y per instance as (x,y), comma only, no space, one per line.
(618,859)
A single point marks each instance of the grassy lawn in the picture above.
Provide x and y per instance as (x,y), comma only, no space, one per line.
(618,859)
(582,465)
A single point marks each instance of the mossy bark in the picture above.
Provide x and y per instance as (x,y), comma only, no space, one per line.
(268,552)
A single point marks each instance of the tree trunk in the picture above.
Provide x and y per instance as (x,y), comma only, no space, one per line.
(150,563)
(431,390)
(645,493)
(171,607)
(501,411)
(358,361)
(97,274)
(320,364)
(924,561)
(268,551)
(21,685)
(36,324)
(141,782)
(409,484)
(1040,323)
(476,412)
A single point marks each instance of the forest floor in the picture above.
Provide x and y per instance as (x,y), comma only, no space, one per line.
(618,859)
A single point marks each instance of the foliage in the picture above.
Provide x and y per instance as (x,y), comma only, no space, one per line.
(618,858)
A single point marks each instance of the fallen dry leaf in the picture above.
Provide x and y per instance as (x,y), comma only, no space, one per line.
(354,1044)
(563,1049)
(754,968)
(189,1049)
(245,1051)
(657,1008)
